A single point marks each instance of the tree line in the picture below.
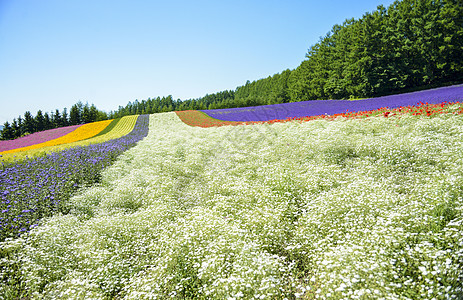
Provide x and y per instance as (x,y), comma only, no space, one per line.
(166,104)
(27,124)
(411,45)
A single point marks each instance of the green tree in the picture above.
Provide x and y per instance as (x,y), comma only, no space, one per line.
(19,130)
(39,121)
(101,115)
(86,117)
(64,118)
(29,123)
(47,121)
(56,119)
(93,113)
(75,114)
(15,132)
(7,131)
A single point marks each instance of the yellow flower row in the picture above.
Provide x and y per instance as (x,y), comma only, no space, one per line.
(81,133)
(123,127)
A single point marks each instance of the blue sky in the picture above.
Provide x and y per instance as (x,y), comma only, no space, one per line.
(54,53)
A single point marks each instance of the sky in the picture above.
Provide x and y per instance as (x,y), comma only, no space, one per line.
(54,53)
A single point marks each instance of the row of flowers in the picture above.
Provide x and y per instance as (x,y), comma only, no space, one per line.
(117,128)
(80,133)
(36,187)
(421,109)
(36,138)
(332,107)
(200,119)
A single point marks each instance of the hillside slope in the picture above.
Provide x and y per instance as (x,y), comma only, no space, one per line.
(351,209)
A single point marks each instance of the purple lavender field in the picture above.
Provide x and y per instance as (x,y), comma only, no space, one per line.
(36,138)
(331,107)
(38,187)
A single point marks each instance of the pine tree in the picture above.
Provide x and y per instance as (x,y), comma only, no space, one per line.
(15,129)
(56,119)
(7,132)
(75,117)
(47,121)
(64,118)
(86,117)
(29,123)
(39,121)
(93,113)
(19,131)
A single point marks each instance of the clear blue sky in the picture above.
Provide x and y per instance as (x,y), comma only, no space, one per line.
(54,53)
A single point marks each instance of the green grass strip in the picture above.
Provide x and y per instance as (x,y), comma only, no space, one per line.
(108,128)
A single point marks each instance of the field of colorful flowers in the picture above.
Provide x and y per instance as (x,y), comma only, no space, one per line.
(332,107)
(38,187)
(200,119)
(82,132)
(359,209)
(36,138)
(117,128)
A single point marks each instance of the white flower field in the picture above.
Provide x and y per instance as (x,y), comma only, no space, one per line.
(344,209)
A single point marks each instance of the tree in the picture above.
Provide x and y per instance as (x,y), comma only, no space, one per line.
(86,117)
(93,113)
(75,114)
(19,131)
(39,121)
(15,132)
(7,132)
(47,121)
(29,123)
(56,119)
(101,115)
(64,118)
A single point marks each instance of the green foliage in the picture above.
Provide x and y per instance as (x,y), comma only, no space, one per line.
(7,131)
(411,45)
(29,123)
(75,114)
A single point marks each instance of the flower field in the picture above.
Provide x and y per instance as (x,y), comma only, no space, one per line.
(114,129)
(36,138)
(82,132)
(333,107)
(351,209)
(200,119)
(37,187)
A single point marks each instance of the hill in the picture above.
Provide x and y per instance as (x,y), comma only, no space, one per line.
(349,209)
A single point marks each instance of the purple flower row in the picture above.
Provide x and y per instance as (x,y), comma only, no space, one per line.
(36,138)
(331,107)
(38,187)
